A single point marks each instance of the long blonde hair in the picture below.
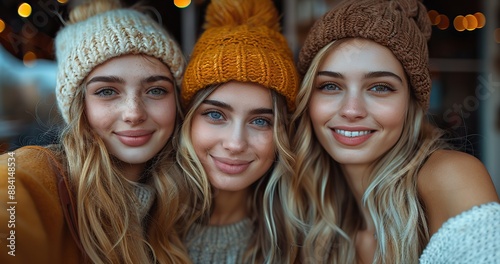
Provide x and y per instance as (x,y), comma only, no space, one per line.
(109,228)
(274,238)
(328,207)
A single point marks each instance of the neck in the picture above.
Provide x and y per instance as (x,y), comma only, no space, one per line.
(357,178)
(131,172)
(229,207)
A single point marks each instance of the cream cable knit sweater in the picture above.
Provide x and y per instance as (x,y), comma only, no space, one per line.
(470,237)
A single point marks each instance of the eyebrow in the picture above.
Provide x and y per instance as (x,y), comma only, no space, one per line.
(157,78)
(109,79)
(255,111)
(116,79)
(375,74)
(383,74)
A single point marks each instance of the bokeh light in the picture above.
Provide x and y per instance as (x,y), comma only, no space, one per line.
(2,26)
(24,10)
(481,19)
(182,3)
(497,35)
(29,59)
(459,24)
(471,22)
(62,1)
(444,22)
(433,14)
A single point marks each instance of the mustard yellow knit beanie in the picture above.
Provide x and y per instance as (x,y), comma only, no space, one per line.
(403,26)
(103,31)
(241,42)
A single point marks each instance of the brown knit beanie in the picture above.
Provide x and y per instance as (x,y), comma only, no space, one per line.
(242,42)
(103,30)
(403,26)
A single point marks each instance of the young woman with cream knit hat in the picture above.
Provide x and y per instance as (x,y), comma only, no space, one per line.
(375,183)
(238,89)
(110,191)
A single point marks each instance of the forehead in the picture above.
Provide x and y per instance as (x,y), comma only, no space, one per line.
(131,65)
(243,94)
(360,55)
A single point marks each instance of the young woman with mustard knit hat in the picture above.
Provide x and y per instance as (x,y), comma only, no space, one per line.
(238,89)
(375,183)
(110,191)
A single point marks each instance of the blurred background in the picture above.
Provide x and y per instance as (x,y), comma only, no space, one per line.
(464,51)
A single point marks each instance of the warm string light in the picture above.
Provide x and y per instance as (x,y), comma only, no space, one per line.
(497,35)
(460,23)
(2,25)
(182,3)
(24,10)
(29,59)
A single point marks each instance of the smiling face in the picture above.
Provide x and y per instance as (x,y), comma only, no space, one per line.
(359,102)
(232,135)
(130,103)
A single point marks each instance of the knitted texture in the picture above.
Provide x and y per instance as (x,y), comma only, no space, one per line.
(82,46)
(470,237)
(145,197)
(219,244)
(241,42)
(403,26)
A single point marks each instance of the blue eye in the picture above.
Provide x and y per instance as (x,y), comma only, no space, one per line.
(157,91)
(105,92)
(329,87)
(262,122)
(214,115)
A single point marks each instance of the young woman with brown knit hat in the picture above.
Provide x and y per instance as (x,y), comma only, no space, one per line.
(238,87)
(110,191)
(375,183)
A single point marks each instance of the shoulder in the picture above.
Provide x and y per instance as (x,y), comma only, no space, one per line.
(31,165)
(451,182)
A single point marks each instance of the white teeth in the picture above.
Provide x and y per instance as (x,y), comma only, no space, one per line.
(352,133)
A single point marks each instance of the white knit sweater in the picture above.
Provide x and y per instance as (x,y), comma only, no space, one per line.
(470,237)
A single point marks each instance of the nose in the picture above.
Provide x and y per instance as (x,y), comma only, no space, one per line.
(235,141)
(353,107)
(134,110)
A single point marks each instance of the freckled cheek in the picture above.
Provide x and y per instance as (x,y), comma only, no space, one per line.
(165,116)
(98,115)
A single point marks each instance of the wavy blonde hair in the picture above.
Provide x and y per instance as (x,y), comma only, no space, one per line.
(274,236)
(109,227)
(330,214)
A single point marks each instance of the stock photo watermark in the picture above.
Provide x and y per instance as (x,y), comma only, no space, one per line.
(460,111)
(11,203)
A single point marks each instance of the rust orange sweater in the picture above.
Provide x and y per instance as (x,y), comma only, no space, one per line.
(32,224)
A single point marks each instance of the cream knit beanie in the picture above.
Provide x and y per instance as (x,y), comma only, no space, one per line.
(83,45)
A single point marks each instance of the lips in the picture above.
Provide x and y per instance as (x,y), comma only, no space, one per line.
(352,136)
(134,138)
(230,166)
